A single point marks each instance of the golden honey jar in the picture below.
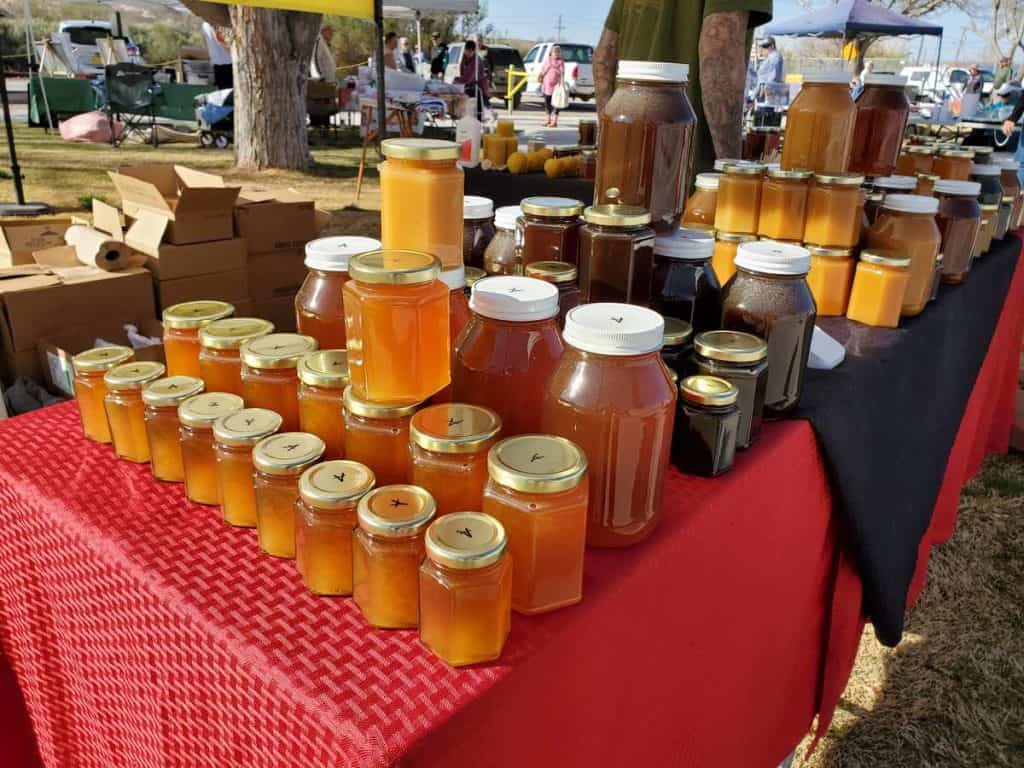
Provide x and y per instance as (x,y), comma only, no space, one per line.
(234,436)
(269,373)
(197,416)
(323,377)
(90,390)
(161,399)
(182,323)
(125,410)
(279,460)
(220,363)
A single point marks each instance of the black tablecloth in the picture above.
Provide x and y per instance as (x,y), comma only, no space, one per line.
(509,189)
(887,419)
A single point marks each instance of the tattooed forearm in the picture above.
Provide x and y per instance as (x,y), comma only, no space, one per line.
(723,78)
(606,59)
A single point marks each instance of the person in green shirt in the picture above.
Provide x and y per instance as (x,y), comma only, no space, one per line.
(712,36)
(1004,74)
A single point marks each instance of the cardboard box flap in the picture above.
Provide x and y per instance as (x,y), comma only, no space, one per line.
(141,193)
(107,219)
(191,178)
(15,279)
(160,175)
(195,199)
(146,233)
(255,197)
(63,256)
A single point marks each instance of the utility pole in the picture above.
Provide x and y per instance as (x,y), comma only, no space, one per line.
(558,29)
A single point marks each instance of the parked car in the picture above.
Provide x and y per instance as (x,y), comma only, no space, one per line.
(929,83)
(499,59)
(82,35)
(579,73)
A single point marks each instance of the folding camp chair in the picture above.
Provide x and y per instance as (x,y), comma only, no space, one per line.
(131,99)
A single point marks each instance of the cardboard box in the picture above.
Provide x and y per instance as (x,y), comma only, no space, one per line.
(196,206)
(274,275)
(275,220)
(279,311)
(21,237)
(230,286)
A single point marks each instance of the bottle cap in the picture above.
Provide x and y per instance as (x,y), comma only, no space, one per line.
(172,390)
(133,375)
(419,149)
(708,390)
(617,215)
(537,464)
(287,453)
(686,244)
(614,329)
(507,216)
(708,181)
(465,540)
(335,484)
(552,271)
(332,254)
(396,511)
(677,332)
(721,163)
(843,179)
(656,71)
(745,168)
(771,258)
(911,204)
(454,428)
(828,76)
(201,411)
(370,410)
(246,427)
(795,174)
(986,169)
(884,78)
(829,252)
(957,187)
(907,183)
(730,346)
(276,350)
(231,332)
(327,368)
(454,278)
(514,298)
(551,207)
(101,358)
(735,237)
(195,314)
(885,258)
(474,207)
(394,267)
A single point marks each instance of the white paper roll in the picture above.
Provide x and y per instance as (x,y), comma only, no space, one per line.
(96,249)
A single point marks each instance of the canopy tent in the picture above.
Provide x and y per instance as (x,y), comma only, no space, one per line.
(414,9)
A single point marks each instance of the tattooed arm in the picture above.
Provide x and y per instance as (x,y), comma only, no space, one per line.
(606,59)
(723,78)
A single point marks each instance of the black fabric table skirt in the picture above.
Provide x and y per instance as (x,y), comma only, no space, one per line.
(887,418)
(509,189)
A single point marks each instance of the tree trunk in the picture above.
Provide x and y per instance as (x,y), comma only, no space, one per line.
(271,52)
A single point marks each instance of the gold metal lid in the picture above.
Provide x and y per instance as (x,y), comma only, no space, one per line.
(473,274)
(326,368)
(465,540)
(829,252)
(797,174)
(246,427)
(394,267)
(840,179)
(735,237)
(369,410)
(552,207)
(552,271)
(617,215)
(201,411)
(989,208)
(708,390)
(702,227)
(101,358)
(917,149)
(133,375)
(396,511)
(966,153)
(419,149)
(195,314)
(677,332)
(982,150)
(927,176)
(730,346)
(745,168)
(537,464)
(277,350)
(1009,198)
(454,428)
(172,390)
(230,332)
(884,258)
(287,453)
(335,484)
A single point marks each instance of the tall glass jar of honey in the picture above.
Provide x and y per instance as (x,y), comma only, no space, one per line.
(270,376)
(197,416)
(906,226)
(784,204)
(125,410)
(702,205)
(234,436)
(396,316)
(220,363)
(820,124)
(161,399)
(538,491)
(90,390)
(325,520)
(279,460)
(378,436)
(323,377)
(548,229)
(612,396)
(319,311)
(739,197)
(181,333)
(882,112)
(509,349)
(387,551)
(449,444)
(465,589)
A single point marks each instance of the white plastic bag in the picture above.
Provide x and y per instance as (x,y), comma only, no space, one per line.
(560,96)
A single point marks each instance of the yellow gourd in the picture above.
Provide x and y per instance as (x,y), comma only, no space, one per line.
(517,163)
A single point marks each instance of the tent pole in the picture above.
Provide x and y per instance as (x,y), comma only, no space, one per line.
(30,45)
(382,118)
(419,41)
(19,192)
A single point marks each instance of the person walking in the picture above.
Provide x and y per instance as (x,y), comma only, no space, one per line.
(322,66)
(551,75)
(439,56)
(474,77)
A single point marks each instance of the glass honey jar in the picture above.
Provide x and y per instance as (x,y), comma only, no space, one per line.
(197,416)
(953,164)
(564,277)
(678,345)
(125,410)
(914,160)
(959,220)
(90,390)
(879,286)
(835,210)
(234,436)
(820,124)
(396,316)
(616,258)
(830,279)
(181,333)
(784,204)
(906,225)
(220,362)
(161,399)
(705,441)
(458,318)
(881,120)
(739,198)
(325,519)
(449,444)
(548,229)
(319,309)
(465,589)
(478,229)
(378,436)
(723,260)
(504,254)
(323,377)
(742,360)
(538,491)
(387,551)
(886,185)
(685,285)
(702,205)
(925,183)
(270,376)
(279,460)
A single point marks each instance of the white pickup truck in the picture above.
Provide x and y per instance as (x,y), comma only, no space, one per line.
(80,35)
(579,72)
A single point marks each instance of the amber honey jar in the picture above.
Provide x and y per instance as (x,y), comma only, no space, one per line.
(477,229)
(472,276)
(220,362)
(504,253)
(830,279)
(739,197)
(819,124)
(161,399)
(90,390)
(723,260)
(882,112)
(234,436)
(449,444)
(387,551)
(879,286)
(270,376)
(616,258)
(549,229)
(906,226)
(742,360)
(915,159)
(378,436)
(197,416)
(784,204)
(538,491)
(925,183)
(181,333)
(887,185)
(685,285)
(279,460)
(953,164)
(959,221)
(325,518)
(125,410)
(465,589)
(835,209)
(564,277)
(323,377)
(702,205)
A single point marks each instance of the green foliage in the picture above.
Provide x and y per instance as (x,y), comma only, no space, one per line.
(162,42)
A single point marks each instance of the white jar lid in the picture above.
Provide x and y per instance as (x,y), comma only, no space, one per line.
(955,187)
(686,244)
(911,204)
(986,169)
(506,216)
(332,254)
(1002,157)
(772,258)
(513,298)
(884,78)
(474,207)
(657,71)
(895,182)
(614,329)
(1006,163)
(829,76)
(708,180)
(454,278)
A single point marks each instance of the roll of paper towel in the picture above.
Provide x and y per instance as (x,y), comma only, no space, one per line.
(96,249)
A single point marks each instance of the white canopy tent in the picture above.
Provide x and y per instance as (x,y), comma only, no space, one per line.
(414,9)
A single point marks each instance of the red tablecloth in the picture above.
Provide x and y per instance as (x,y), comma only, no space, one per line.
(144,632)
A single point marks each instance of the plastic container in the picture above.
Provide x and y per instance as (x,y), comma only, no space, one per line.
(220,362)
(270,374)
(181,333)
(161,399)
(90,390)
(784,204)
(319,306)
(879,286)
(378,436)
(616,260)
(197,416)
(549,229)
(906,226)
(503,255)
(959,220)
(323,377)
(820,124)
(279,460)
(739,198)
(564,277)
(742,360)
(830,279)
(709,418)
(234,436)
(882,112)
(702,205)
(477,229)
(835,210)
(685,286)
(125,410)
